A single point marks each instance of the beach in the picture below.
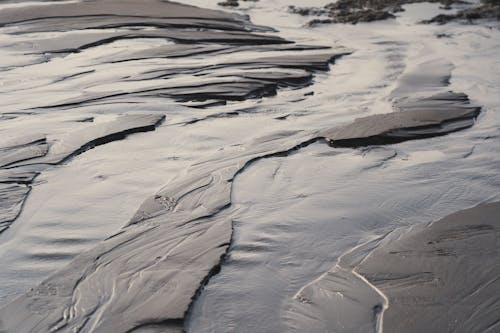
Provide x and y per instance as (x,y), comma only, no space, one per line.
(196,167)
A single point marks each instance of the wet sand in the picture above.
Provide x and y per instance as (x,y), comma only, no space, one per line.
(154,274)
(438,277)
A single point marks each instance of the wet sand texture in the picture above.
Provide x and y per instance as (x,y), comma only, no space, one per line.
(423,108)
(23,158)
(14,184)
(12,196)
(436,277)
(433,116)
(248,78)
(442,276)
(145,277)
(194,31)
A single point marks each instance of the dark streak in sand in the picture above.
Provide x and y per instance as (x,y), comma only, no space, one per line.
(193,30)
(461,254)
(437,277)
(22,159)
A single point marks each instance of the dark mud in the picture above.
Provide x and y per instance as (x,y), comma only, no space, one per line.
(424,109)
(440,276)
(419,119)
